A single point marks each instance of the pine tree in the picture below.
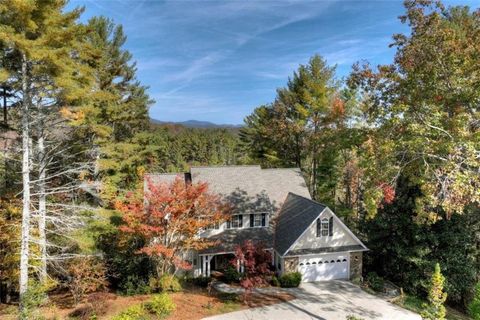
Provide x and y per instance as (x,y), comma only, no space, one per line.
(50,71)
(118,112)
(435,310)
(302,126)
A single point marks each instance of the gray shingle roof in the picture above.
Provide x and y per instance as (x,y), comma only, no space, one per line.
(296,215)
(250,188)
(229,239)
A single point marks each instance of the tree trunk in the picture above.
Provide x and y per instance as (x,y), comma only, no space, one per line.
(24,253)
(5,114)
(42,205)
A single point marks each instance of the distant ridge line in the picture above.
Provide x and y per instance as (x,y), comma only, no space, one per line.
(196,124)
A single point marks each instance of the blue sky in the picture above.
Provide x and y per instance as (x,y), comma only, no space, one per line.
(218,60)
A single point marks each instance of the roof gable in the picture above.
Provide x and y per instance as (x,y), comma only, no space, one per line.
(295,216)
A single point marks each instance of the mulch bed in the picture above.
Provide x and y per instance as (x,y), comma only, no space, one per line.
(192,304)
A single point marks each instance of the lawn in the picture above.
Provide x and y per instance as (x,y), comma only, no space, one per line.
(415,304)
(192,303)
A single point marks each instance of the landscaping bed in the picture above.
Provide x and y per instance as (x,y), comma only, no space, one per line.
(415,304)
(191,303)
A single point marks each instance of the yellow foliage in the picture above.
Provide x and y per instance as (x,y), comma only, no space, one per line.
(72,115)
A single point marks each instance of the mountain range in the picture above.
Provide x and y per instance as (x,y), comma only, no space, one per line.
(196,124)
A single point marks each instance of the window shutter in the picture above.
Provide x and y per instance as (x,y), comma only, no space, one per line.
(330,227)
(263,220)
(229,224)
(319,224)
(252,217)
(240,218)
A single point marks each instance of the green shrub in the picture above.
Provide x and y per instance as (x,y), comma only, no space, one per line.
(375,281)
(275,282)
(231,275)
(352,317)
(136,312)
(161,305)
(290,280)
(170,283)
(134,285)
(474,306)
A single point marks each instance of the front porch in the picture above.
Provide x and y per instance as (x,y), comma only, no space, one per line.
(216,262)
(209,262)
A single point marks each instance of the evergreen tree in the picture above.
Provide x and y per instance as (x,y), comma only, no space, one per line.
(118,112)
(435,310)
(49,69)
(307,126)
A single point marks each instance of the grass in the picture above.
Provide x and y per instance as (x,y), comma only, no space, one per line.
(415,304)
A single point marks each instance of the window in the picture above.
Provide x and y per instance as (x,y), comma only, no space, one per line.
(214,226)
(324,227)
(257,220)
(235,222)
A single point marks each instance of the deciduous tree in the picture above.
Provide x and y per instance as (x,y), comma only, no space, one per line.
(423,109)
(256,264)
(170,217)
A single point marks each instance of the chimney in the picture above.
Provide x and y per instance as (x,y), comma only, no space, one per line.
(188,178)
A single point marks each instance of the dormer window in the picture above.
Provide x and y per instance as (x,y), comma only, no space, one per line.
(257,220)
(214,226)
(324,227)
(235,222)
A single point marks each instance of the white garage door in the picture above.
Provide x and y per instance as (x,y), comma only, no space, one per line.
(324,267)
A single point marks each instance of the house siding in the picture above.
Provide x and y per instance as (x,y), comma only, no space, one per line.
(310,240)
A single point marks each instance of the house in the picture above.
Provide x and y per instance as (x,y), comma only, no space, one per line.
(274,207)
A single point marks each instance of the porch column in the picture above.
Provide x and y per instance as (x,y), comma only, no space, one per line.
(206,265)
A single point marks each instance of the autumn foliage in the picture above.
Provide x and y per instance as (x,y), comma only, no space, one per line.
(256,262)
(169,217)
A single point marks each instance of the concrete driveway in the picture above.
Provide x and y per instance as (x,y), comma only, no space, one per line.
(332,300)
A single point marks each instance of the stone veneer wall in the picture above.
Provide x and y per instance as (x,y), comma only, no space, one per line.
(356,263)
(291,264)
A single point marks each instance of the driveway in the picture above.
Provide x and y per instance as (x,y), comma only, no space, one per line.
(332,300)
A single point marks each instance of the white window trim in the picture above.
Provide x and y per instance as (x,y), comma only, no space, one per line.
(236,216)
(259,216)
(324,222)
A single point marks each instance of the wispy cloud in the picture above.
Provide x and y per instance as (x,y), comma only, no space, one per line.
(217,60)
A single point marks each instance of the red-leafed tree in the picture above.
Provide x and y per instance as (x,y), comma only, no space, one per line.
(256,262)
(169,217)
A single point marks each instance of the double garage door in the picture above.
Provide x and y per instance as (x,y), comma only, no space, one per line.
(324,267)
